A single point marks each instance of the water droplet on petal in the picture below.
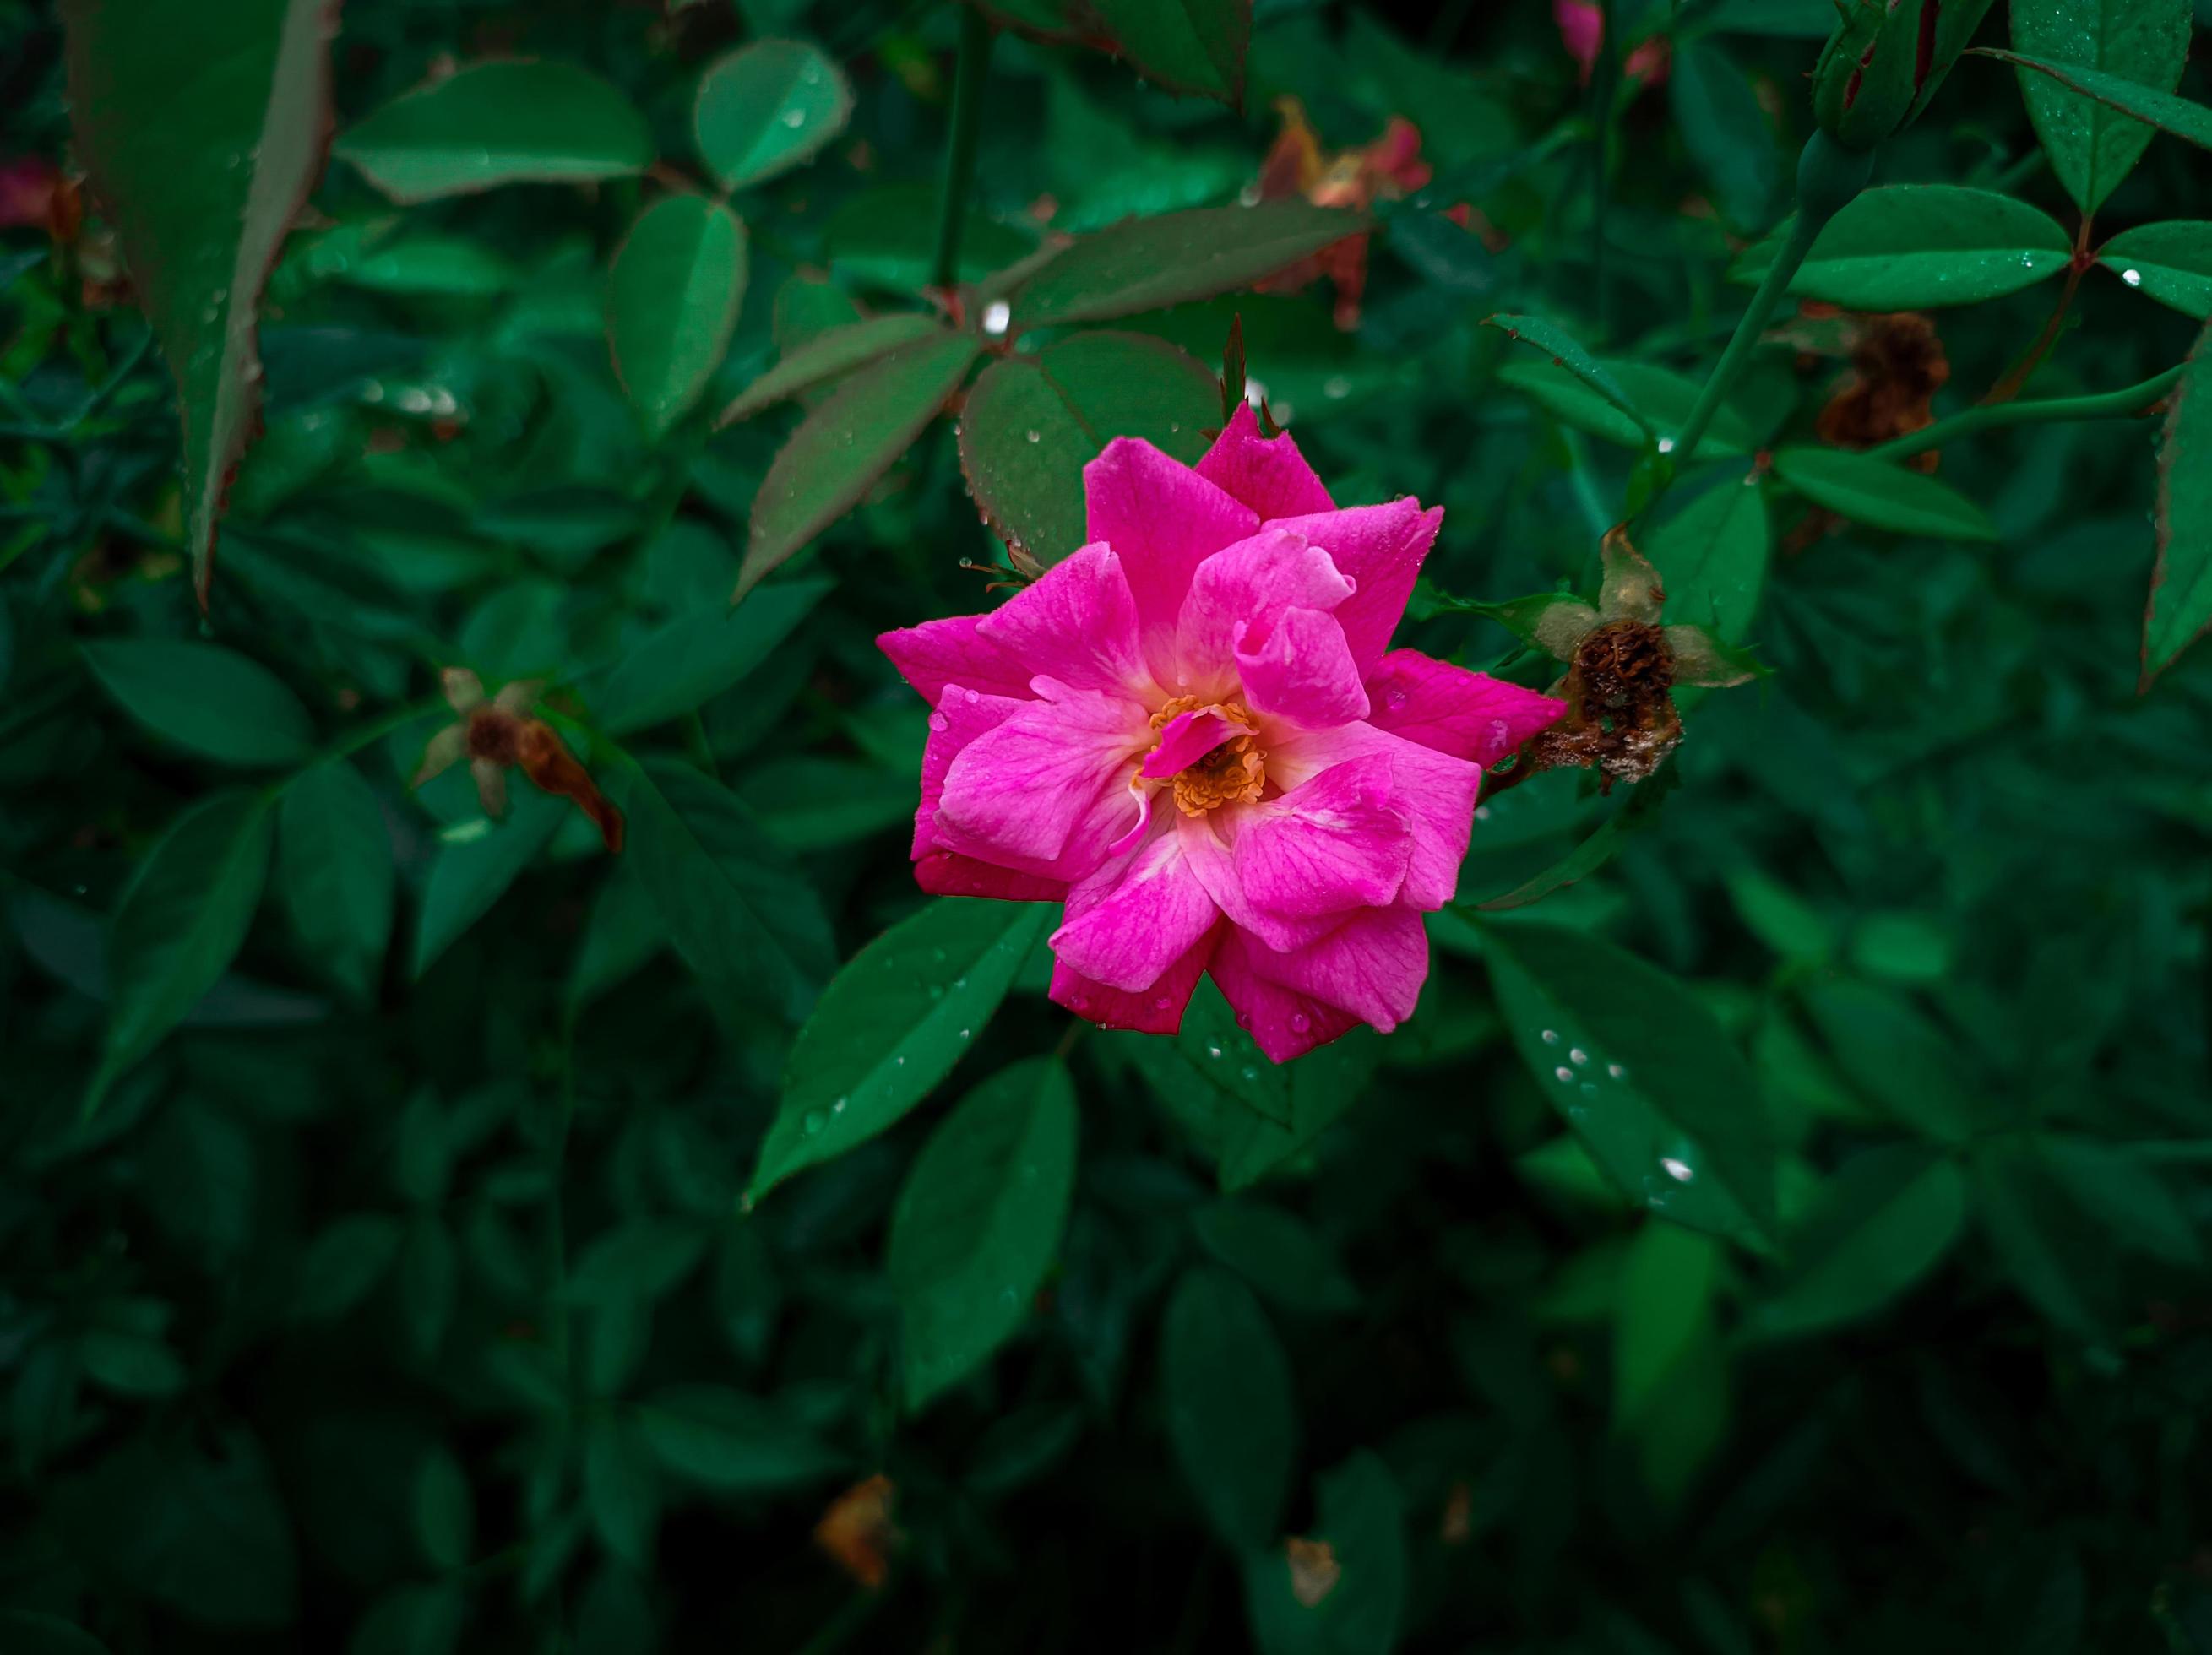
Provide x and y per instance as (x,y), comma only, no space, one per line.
(1619,1071)
(1565,1074)
(2133,278)
(1678,1170)
(1300,1023)
(1162,1002)
(1551,1037)
(939,723)
(1576,1056)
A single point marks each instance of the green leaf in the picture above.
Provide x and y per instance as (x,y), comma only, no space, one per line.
(334,872)
(1150,263)
(1643,1072)
(891,1024)
(203,1534)
(1895,1054)
(1189,46)
(427,1275)
(673,299)
(343,1264)
(2190,121)
(2170,262)
(412,1620)
(1665,398)
(1884,1222)
(1917,246)
(978,1222)
(826,355)
(1664,1306)
(1712,554)
(1279,1253)
(499,123)
(26,1633)
(130,1363)
(200,175)
(210,700)
(843,446)
(728,1439)
(766,108)
(688,662)
(1231,1415)
(444,1510)
(621,1488)
(752,932)
(1882,495)
(469,877)
(1031,424)
(181,921)
(2093,146)
(814,805)
(1566,352)
(1726,132)
(644,1258)
(2180,607)
(2125,1196)
(1361,1516)
(622,934)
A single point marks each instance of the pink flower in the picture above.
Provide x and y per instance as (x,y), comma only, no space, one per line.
(1192,732)
(1582,30)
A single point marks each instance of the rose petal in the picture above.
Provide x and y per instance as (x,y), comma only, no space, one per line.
(953,651)
(1076,623)
(947,873)
(1186,738)
(1046,792)
(1156,1009)
(1267,474)
(1164,520)
(1371,966)
(1248,585)
(1380,548)
(1333,844)
(1469,715)
(1435,791)
(1285,1023)
(1128,923)
(1302,672)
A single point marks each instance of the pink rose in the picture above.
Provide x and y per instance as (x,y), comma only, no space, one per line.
(1189,731)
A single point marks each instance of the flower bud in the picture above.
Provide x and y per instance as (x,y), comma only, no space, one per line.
(1883,63)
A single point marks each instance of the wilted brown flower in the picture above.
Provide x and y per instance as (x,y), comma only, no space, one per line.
(495,735)
(1623,665)
(1388,168)
(1314,1569)
(857,1530)
(1897,367)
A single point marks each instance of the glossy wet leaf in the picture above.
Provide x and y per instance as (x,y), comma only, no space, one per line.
(978,1222)
(210,700)
(1882,495)
(766,108)
(752,932)
(504,122)
(334,871)
(681,666)
(1031,424)
(843,446)
(827,354)
(2092,145)
(1712,553)
(180,924)
(1171,259)
(2171,261)
(1664,396)
(1191,45)
(891,1024)
(1278,1254)
(2180,607)
(2120,1191)
(1642,1073)
(672,298)
(1231,1415)
(1567,354)
(201,174)
(1885,1220)
(1919,246)
(2190,121)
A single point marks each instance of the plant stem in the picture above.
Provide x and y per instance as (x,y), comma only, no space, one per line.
(2016,377)
(2105,405)
(1828,176)
(975,36)
(1605,81)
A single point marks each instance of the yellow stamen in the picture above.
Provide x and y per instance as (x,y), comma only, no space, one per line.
(1235,772)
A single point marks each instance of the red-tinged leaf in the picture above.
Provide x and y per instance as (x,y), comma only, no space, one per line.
(202,173)
(1031,424)
(843,446)
(2180,608)
(1174,258)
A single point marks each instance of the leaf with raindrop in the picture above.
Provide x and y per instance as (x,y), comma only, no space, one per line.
(768,107)
(1643,1072)
(891,1024)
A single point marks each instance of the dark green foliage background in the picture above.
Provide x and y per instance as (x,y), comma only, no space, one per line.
(406,1298)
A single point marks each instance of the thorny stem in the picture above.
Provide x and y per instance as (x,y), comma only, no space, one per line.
(2016,377)
(975,36)
(2105,405)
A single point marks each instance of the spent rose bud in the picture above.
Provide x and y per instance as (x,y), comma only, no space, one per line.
(1883,63)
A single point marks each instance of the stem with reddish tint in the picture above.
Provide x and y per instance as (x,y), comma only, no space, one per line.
(2016,378)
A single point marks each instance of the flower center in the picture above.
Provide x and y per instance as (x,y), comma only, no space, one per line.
(1235,772)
